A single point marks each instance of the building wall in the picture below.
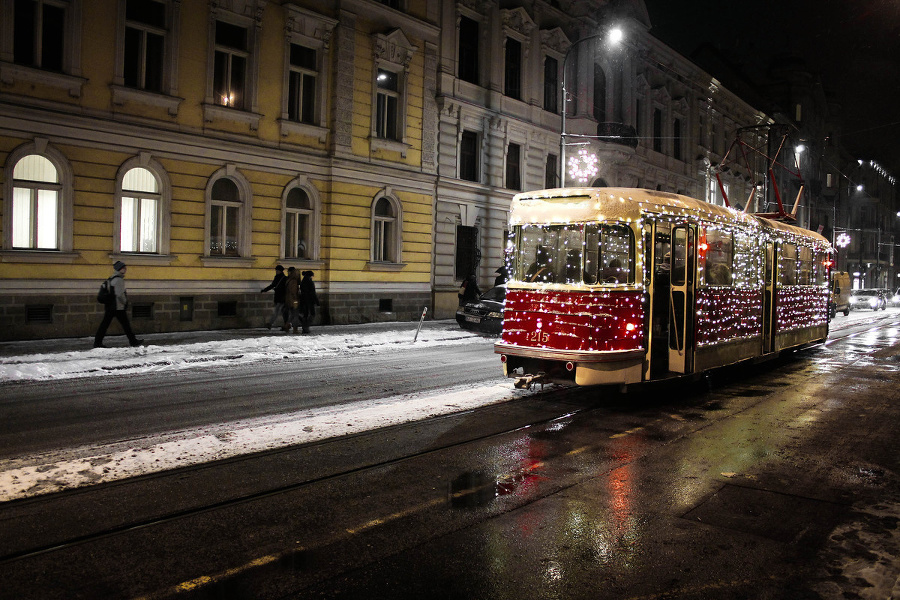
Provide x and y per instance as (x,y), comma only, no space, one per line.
(94,125)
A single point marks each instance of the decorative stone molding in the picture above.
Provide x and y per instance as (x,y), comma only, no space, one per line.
(518,20)
(309,24)
(555,40)
(393,48)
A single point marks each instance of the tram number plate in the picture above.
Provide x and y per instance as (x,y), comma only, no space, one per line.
(472,319)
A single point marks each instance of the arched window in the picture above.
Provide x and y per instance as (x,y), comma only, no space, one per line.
(35,204)
(142,216)
(224,218)
(386,220)
(298,215)
(139,216)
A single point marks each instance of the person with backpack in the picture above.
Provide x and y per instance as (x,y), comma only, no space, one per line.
(116,306)
(278,284)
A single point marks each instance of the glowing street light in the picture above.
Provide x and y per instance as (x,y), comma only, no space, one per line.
(614,36)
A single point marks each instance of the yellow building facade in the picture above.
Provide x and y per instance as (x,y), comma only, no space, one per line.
(203,142)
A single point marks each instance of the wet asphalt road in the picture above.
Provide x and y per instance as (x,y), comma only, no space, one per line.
(771,481)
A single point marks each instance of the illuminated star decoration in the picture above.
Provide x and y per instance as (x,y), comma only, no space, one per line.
(843,240)
(583,167)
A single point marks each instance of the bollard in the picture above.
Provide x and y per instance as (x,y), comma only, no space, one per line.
(424,310)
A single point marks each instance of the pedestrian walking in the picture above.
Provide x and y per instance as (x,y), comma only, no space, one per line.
(308,301)
(292,299)
(116,307)
(278,284)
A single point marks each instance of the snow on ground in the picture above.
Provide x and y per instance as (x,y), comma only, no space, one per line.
(173,357)
(27,476)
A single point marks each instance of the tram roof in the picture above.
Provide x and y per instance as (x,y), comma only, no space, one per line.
(565,205)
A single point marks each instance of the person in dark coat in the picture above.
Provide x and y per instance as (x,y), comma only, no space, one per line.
(308,301)
(278,284)
(117,308)
(469,290)
(292,299)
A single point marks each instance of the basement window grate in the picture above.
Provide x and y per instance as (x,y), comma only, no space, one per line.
(228,308)
(39,313)
(386,305)
(142,311)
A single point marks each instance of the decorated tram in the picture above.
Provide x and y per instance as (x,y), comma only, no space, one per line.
(622,286)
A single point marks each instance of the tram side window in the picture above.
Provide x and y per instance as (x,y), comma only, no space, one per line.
(821,266)
(806,266)
(550,254)
(716,263)
(787,265)
(610,254)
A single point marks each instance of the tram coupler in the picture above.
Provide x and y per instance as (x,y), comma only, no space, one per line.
(529,380)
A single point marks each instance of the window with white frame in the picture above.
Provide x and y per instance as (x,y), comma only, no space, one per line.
(469,156)
(230,65)
(514,166)
(393,54)
(37,193)
(385,230)
(298,225)
(551,84)
(35,204)
(387,105)
(302,82)
(39,33)
(144,56)
(467,63)
(657,130)
(677,142)
(512,71)
(306,59)
(139,216)
(225,215)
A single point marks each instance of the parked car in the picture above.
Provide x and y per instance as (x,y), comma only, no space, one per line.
(484,314)
(869,298)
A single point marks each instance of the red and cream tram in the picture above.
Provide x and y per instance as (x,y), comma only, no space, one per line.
(621,286)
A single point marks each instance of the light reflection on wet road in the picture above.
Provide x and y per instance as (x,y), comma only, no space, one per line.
(772,481)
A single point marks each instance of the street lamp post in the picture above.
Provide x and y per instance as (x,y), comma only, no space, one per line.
(615,36)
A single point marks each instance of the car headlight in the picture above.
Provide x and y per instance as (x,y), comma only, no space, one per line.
(873,302)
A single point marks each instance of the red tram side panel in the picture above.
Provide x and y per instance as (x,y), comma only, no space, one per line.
(574,321)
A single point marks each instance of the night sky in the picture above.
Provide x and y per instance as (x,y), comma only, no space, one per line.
(853,45)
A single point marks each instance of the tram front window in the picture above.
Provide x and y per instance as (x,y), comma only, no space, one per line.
(575,254)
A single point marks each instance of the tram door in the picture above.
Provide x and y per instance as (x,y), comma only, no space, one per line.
(681,299)
(660,306)
(769,299)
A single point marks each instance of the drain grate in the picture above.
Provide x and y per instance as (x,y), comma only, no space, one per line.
(777,516)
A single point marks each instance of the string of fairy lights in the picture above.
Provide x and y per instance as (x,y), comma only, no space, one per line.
(573,305)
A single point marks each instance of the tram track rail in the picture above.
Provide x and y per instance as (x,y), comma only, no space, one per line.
(556,397)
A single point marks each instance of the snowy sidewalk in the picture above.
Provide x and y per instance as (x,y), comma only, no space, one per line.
(75,357)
